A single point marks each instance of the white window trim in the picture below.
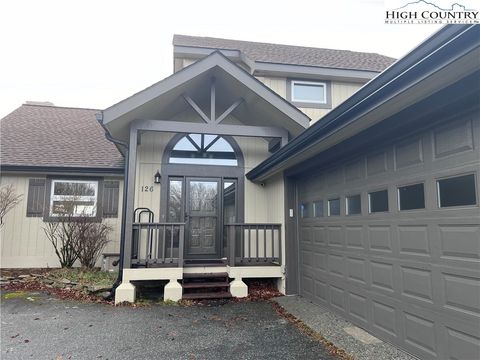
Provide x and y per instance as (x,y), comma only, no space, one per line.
(93,198)
(314,83)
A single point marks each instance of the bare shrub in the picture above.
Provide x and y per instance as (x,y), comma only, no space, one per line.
(77,237)
(63,236)
(8,200)
(91,239)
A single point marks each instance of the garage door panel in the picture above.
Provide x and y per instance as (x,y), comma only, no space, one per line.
(420,334)
(322,291)
(337,298)
(357,270)
(417,283)
(382,275)
(354,237)
(336,265)
(460,242)
(319,235)
(379,238)
(462,293)
(358,307)
(413,240)
(335,237)
(462,345)
(384,318)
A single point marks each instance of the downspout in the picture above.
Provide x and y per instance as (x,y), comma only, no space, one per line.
(125,145)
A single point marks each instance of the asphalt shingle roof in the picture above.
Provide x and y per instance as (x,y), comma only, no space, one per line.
(294,55)
(35,135)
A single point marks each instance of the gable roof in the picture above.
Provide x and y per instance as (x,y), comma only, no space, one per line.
(58,137)
(160,97)
(292,55)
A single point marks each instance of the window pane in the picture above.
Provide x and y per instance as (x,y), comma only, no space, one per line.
(411,197)
(318,208)
(73,208)
(354,205)
(457,191)
(333,207)
(308,92)
(203,150)
(378,201)
(229,202)
(74,188)
(175,201)
(304,210)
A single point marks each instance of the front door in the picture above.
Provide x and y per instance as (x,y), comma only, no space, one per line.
(202,218)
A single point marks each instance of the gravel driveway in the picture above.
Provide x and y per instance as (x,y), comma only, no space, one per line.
(37,326)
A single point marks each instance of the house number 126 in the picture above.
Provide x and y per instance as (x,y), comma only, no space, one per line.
(146,188)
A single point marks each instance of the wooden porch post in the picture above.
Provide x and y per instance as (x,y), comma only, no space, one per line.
(132,164)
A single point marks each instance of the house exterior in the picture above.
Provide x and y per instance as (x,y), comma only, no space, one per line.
(371,211)
(42,148)
(42,144)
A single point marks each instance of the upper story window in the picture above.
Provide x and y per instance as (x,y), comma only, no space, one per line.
(309,91)
(200,149)
(74,198)
(310,94)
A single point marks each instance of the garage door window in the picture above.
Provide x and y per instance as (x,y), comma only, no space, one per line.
(318,208)
(354,205)
(411,197)
(457,191)
(378,201)
(333,207)
(304,210)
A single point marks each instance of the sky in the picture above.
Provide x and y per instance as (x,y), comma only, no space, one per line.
(95,53)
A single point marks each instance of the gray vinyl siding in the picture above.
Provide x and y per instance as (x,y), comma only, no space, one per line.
(409,277)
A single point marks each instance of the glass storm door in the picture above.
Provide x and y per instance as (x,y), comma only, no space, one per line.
(202,218)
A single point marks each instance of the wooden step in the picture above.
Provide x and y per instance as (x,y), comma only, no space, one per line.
(204,275)
(199,285)
(208,295)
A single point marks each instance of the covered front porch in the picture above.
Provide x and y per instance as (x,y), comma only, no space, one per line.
(189,210)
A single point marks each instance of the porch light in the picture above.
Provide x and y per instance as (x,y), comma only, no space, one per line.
(157,177)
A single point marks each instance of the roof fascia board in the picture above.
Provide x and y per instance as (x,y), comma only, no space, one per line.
(201,66)
(61,170)
(200,52)
(384,87)
(290,70)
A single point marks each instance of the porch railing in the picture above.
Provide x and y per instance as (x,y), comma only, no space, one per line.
(157,244)
(253,244)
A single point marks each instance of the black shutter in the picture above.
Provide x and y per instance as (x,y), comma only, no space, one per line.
(36,197)
(110,199)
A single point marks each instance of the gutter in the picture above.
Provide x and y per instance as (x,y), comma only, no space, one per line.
(375,92)
(125,145)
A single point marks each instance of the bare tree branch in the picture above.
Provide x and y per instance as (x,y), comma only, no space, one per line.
(8,200)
